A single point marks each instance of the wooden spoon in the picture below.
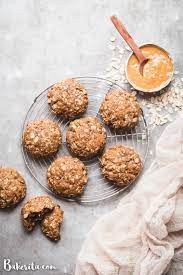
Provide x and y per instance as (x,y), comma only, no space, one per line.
(129,40)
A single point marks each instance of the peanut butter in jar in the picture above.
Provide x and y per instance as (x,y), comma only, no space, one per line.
(157,73)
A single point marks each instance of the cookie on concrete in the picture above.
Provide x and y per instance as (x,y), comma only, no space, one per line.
(120,110)
(42,138)
(121,165)
(86,137)
(35,209)
(67,176)
(52,222)
(12,187)
(68,98)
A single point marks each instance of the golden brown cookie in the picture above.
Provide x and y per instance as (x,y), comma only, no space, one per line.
(68,98)
(86,137)
(42,138)
(12,187)
(120,110)
(67,176)
(121,165)
(35,209)
(52,222)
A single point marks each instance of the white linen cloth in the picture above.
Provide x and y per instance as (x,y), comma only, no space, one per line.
(144,233)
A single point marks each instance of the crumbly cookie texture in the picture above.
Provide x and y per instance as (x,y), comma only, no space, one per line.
(86,137)
(121,165)
(67,176)
(52,222)
(12,187)
(120,110)
(35,209)
(42,138)
(68,98)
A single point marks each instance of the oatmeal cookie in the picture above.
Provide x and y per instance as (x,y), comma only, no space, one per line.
(120,110)
(86,137)
(68,98)
(12,187)
(121,165)
(52,222)
(35,209)
(67,176)
(42,138)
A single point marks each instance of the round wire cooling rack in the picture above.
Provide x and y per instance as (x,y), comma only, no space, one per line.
(97,188)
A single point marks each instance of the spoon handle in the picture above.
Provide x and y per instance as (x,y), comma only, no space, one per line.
(127,37)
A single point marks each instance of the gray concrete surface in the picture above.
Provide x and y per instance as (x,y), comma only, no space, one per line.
(42,42)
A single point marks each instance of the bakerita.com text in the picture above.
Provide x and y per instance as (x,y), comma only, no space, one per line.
(9,265)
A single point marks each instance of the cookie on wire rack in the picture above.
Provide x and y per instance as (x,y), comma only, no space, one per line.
(42,138)
(121,165)
(68,98)
(120,110)
(86,137)
(67,176)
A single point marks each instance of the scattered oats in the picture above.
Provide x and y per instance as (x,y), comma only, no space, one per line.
(151,122)
(148,106)
(152,99)
(163,120)
(170,119)
(170,110)
(114,59)
(115,66)
(121,51)
(116,77)
(113,39)
(111,47)
(157,121)
(128,48)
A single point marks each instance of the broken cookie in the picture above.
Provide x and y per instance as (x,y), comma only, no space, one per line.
(43,209)
(52,222)
(35,209)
